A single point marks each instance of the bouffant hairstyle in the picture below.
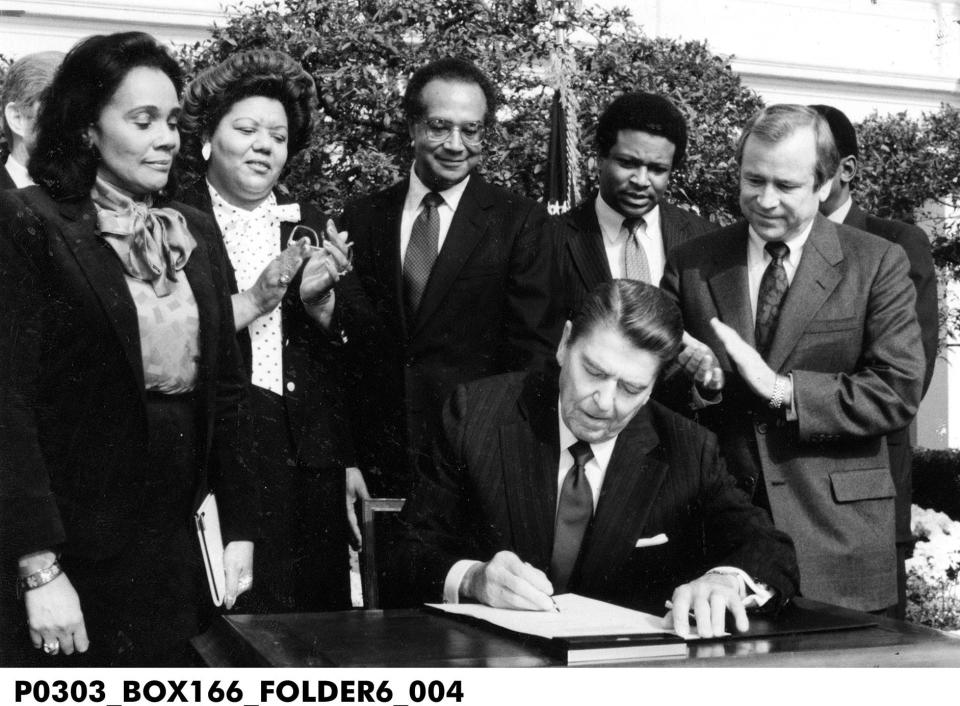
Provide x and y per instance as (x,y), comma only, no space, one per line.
(63,161)
(257,72)
(647,112)
(447,69)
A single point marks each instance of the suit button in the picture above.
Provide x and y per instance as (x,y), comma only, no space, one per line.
(762,427)
(291,387)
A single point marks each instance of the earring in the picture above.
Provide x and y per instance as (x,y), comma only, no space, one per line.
(205,151)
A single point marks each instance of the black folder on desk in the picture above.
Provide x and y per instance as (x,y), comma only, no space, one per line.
(793,619)
(790,620)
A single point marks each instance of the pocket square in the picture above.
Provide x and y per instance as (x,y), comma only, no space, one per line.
(651,541)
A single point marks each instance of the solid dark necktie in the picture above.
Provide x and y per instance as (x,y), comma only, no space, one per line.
(773,289)
(573,515)
(421,251)
(635,263)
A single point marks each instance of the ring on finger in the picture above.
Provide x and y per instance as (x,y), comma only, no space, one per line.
(244,583)
(284,280)
(51,648)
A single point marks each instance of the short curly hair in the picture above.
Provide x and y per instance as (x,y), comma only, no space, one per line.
(256,72)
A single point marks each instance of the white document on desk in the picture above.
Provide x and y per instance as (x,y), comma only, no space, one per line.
(578,616)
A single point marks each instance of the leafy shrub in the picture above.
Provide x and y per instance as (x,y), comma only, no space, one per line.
(936,480)
(362,54)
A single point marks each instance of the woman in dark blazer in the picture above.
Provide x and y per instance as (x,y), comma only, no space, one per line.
(242,120)
(121,388)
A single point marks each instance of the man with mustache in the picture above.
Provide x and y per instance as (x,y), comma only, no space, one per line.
(628,229)
(452,279)
(573,480)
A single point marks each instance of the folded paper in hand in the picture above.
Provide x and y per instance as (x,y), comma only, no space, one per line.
(207,519)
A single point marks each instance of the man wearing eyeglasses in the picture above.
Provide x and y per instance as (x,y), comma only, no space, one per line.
(451,281)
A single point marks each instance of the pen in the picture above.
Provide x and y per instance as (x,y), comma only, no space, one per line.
(555,606)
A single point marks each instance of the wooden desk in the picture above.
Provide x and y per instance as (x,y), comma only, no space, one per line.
(411,638)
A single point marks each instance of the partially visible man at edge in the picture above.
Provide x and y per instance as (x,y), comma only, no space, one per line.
(839,207)
(23,85)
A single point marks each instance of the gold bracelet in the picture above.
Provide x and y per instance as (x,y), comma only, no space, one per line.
(38,578)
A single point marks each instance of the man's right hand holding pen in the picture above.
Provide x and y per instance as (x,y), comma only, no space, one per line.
(506,581)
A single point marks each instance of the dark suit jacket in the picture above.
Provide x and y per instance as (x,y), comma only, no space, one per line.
(924,277)
(493,486)
(6,182)
(318,431)
(72,415)
(583,260)
(848,335)
(487,308)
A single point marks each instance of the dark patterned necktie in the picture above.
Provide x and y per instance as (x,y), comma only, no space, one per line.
(421,252)
(573,515)
(635,263)
(773,289)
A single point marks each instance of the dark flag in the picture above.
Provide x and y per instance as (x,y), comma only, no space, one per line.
(559,190)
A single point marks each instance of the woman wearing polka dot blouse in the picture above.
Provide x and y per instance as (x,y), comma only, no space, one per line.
(242,120)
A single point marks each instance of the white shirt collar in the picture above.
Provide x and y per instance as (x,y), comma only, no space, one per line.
(18,173)
(417,190)
(840,215)
(601,452)
(755,244)
(611,221)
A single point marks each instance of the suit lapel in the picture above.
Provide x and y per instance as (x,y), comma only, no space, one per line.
(6,181)
(630,488)
(467,229)
(197,271)
(673,228)
(530,456)
(729,284)
(105,275)
(384,235)
(816,278)
(585,245)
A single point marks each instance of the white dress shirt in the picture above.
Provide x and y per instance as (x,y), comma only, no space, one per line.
(18,173)
(650,238)
(413,205)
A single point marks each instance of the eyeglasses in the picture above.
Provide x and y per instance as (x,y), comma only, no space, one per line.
(439,130)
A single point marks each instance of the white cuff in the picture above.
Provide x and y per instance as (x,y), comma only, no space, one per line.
(790,413)
(451,585)
(753,593)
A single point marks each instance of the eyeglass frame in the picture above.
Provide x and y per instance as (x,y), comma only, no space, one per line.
(449,127)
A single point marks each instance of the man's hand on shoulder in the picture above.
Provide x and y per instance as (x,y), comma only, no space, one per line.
(508,582)
(709,597)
